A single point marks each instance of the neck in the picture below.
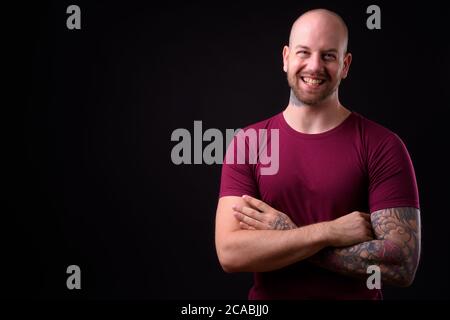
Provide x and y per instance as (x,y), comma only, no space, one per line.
(314,119)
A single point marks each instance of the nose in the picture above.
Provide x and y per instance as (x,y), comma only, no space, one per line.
(315,63)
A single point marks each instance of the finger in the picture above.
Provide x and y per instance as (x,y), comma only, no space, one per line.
(369,226)
(369,236)
(256,203)
(245,226)
(369,232)
(250,212)
(241,217)
(249,221)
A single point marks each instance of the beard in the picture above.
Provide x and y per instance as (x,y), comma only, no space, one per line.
(309,98)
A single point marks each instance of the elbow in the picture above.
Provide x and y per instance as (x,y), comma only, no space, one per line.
(404,278)
(229,260)
(402,270)
(404,282)
(409,269)
(228,267)
(408,279)
(224,260)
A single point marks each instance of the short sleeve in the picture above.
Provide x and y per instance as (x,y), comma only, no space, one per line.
(237,178)
(392,180)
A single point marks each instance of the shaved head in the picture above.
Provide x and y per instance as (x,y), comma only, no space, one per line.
(316,59)
(319,19)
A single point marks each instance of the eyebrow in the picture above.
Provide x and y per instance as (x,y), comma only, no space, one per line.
(305,47)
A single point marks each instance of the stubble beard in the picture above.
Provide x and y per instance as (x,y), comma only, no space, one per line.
(303,98)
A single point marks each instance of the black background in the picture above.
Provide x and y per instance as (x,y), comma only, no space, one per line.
(89,178)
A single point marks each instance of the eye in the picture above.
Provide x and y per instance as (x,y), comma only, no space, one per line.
(329,57)
(302,54)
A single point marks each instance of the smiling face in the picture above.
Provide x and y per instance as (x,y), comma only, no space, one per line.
(316,59)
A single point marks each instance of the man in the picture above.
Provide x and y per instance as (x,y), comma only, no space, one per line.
(306,231)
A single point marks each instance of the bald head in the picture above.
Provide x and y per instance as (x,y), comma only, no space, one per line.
(321,25)
(316,59)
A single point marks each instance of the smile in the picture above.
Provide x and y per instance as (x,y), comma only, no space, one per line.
(312,81)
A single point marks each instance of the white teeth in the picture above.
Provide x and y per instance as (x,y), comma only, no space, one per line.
(312,81)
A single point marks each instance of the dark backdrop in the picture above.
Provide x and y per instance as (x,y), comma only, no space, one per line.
(89,178)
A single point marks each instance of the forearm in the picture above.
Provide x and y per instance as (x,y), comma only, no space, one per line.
(269,240)
(396,252)
(267,250)
(351,251)
(354,261)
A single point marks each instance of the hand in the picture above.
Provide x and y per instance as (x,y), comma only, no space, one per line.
(350,229)
(257,215)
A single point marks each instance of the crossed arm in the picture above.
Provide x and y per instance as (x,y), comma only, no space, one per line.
(395,250)
(395,247)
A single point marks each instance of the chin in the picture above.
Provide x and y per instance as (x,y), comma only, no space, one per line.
(310,101)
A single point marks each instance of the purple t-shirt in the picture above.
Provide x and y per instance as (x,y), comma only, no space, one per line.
(357,166)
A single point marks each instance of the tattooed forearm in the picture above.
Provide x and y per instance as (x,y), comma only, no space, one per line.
(396,250)
(282,223)
(355,260)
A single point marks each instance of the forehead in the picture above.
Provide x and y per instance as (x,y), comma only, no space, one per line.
(318,33)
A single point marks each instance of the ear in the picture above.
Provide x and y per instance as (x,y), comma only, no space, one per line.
(285,58)
(347,62)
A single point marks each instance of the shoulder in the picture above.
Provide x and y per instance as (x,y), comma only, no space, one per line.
(249,136)
(374,134)
(269,123)
(373,129)
(381,144)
